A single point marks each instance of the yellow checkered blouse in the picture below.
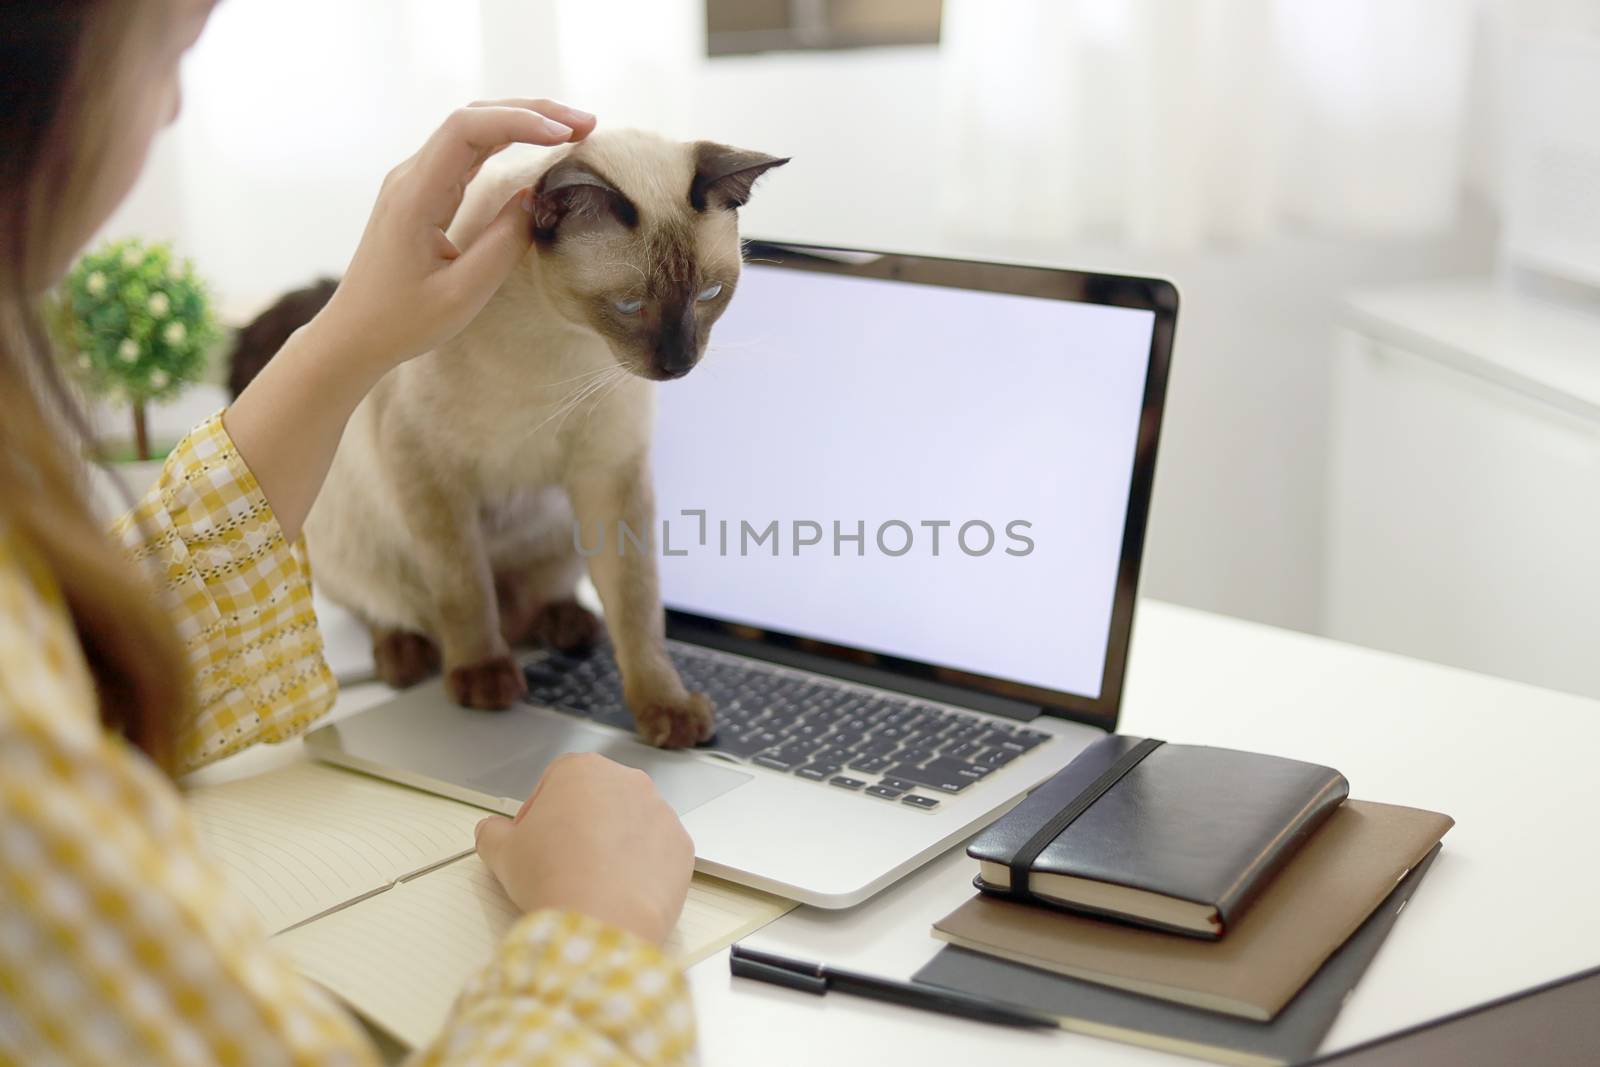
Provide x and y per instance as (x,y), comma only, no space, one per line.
(119,941)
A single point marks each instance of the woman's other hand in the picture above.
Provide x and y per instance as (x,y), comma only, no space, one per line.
(408,288)
(595,838)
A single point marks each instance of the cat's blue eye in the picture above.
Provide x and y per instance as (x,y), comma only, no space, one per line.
(630,306)
(710,292)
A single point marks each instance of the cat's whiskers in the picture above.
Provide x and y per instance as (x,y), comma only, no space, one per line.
(615,384)
(575,397)
(587,375)
(586,381)
(610,381)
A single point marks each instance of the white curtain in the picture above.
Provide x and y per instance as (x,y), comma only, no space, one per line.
(1174,125)
(295,109)
(1162,124)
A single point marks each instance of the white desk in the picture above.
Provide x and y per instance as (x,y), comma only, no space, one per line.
(1508,904)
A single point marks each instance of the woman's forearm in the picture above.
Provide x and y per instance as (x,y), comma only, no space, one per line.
(287,423)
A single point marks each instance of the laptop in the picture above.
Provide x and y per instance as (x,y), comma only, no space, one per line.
(902,503)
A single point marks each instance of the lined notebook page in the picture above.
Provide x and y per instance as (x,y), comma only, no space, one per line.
(400,958)
(307,838)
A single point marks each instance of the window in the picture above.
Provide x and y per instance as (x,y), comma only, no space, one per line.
(743,26)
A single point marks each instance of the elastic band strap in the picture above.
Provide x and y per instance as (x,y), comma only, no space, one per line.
(1022,862)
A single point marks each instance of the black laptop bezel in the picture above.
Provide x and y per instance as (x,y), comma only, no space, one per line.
(984,692)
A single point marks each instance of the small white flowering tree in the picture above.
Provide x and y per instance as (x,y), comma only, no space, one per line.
(138,323)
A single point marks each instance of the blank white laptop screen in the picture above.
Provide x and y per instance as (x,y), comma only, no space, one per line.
(932,473)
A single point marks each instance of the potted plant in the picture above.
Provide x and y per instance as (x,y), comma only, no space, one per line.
(138,324)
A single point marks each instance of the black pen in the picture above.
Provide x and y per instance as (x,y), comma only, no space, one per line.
(818,979)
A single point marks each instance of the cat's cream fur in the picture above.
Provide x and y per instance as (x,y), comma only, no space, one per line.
(447,518)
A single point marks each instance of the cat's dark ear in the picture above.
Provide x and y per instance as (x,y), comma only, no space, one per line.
(575,193)
(723,176)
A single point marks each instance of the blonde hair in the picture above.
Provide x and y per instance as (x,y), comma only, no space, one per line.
(54,125)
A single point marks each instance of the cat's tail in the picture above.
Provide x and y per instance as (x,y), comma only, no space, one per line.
(258,342)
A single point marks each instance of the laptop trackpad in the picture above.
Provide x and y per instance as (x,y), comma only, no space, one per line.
(685,781)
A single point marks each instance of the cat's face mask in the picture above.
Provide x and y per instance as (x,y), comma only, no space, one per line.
(652,270)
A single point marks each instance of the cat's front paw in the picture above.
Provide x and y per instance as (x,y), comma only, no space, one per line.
(676,723)
(492,684)
(565,625)
(402,658)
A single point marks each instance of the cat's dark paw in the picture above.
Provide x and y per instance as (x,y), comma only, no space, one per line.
(566,626)
(492,684)
(676,724)
(402,658)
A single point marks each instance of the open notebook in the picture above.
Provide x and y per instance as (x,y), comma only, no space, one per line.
(375,892)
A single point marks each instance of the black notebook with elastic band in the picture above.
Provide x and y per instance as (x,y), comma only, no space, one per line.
(1176,837)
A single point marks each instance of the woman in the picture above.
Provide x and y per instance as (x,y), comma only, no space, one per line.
(118,940)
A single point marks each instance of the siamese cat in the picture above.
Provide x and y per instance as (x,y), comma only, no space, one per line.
(447,520)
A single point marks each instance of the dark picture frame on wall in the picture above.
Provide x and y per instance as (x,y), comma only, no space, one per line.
(743,27)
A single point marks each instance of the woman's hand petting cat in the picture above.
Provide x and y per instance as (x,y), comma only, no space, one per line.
(595,838)
(408,288)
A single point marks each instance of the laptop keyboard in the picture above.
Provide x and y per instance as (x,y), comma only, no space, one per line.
(881,745)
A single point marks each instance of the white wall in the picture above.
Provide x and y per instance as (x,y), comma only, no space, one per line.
(1238,523)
